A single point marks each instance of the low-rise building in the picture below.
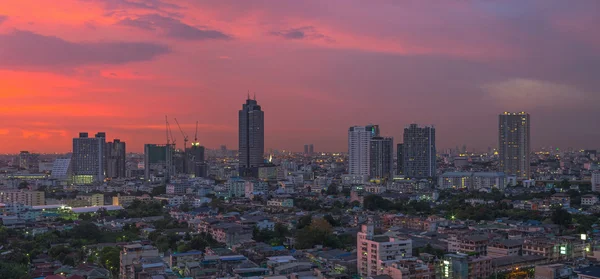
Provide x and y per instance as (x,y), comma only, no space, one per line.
(375,252)
(589,200)
(278,202)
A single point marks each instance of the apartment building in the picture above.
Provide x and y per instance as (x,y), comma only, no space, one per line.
(30,198)
(376,252)
(132,253)
(468,244)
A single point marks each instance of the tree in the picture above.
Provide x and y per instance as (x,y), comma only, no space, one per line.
(564,184)
(561,217)
(185,207)
(159,190)
(332,190)
(109,257)
(318,233)
(23,185)
(12,271)
(304,221)
(331,220)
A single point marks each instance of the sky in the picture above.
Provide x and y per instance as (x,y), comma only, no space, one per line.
(316,67)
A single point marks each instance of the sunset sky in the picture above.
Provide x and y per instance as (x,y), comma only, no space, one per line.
(317,67)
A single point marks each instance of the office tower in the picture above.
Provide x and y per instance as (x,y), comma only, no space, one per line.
(88,159)
(115,159)
(306,149)
(311,149)
(514,144)
(399,159)
(373,251)
(158,161)
(197,164)
(251,138)
(359,148)
(382,158)
(61,169)
(419,151)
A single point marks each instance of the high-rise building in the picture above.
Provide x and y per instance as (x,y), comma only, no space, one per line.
(419,153)
(399,159)
(251,138)
(309,149)
(88,159)
(27,160)
(115,159)
(197,165)
(158,161)
(359,148)
(375,252)
(514,144)
(382,158)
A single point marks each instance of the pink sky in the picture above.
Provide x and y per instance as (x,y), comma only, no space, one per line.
(317,67)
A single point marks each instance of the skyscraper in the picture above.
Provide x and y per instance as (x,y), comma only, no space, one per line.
(400,159)
(88,159)
(382,158)
(115,159)
(158,161)
(514,144)
(197,164)
(419,154)
(306,149)
(251,138)
(359,148)
(309,149)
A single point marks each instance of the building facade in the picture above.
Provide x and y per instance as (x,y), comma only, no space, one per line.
(596,181)
(375,252)
(419,154)
(400,159)
(89,158)
(381,159)
(115,159)
(359,148)
(158,161)
(514,144)
(251,138)
(29,198)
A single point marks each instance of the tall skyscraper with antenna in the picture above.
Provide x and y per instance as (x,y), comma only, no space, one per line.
(251,137)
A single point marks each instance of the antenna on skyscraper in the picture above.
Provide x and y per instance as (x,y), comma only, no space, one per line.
(248,94)
(254,96)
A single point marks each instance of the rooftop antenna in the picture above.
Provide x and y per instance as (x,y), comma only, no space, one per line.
(248,94)
(254,96)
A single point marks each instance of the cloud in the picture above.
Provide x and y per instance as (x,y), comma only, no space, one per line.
(530,93)
(156,5)
(27,49)
(173,28)
(3,18)
(307,32)
(4,132)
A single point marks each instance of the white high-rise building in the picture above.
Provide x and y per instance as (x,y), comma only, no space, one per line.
(89,158)
(596,181)
(375,252)
(359,148)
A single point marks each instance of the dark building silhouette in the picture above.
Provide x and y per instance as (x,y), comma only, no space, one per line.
(251,138)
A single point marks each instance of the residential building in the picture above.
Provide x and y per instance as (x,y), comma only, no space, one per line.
(596,181)
(27,160)
(375,252)
(309,149)
(469,244)
(89,158)
(196,161)
(553,271)
(236,187)
(115,159)
(123,200)
(589,199)
(472,180)
(514,144)
(29,198)
(461,266)
(381,158)
(504,248)
(590,272)
(132,253)
(280,202)
(419,153)
(400,159)
(359,148)
(251,138)
(92,199)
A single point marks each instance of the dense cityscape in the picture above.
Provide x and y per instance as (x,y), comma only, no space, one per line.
(381,210)
(299,139)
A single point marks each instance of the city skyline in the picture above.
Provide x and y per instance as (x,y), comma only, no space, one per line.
(118,67)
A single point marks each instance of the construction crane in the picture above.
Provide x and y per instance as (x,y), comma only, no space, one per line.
(170,137)
(196,136)
(185,137)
